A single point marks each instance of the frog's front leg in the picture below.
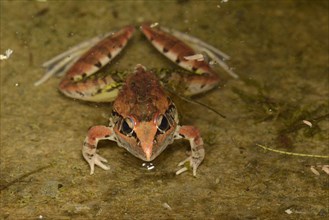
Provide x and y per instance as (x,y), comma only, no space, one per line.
(95,134)
(192,134)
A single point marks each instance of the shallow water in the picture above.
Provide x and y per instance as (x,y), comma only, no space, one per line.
(280,51)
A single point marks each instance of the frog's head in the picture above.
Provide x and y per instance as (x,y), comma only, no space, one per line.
(146,139)
(144,117)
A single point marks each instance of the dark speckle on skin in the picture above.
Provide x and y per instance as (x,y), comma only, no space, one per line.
(98,64)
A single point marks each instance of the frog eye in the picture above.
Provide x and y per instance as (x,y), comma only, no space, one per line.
(127,126)
(163,124)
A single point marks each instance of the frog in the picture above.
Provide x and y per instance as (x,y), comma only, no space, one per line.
(144,119)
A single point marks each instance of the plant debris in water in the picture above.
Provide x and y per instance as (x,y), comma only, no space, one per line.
(291,119)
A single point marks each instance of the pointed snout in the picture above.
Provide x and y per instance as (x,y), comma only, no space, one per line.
(147,149)
(145,132)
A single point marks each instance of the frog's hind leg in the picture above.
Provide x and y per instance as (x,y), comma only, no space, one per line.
(176,50)
(59,64)
(215,54)
(78,83)
(185,55)
(170,43)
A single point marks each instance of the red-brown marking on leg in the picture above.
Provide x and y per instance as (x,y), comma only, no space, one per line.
(191,132)
(91,61)
(177,51)
(98,132)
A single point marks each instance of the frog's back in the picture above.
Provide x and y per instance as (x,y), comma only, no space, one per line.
(142,96)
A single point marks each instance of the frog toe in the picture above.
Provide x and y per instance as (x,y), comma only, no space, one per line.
(182,163)
(182,170)
(193,163)
(99,161)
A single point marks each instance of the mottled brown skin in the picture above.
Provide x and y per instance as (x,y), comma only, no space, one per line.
(90,62)
(172,45)
(142,97)
(143,103)
(176,50)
